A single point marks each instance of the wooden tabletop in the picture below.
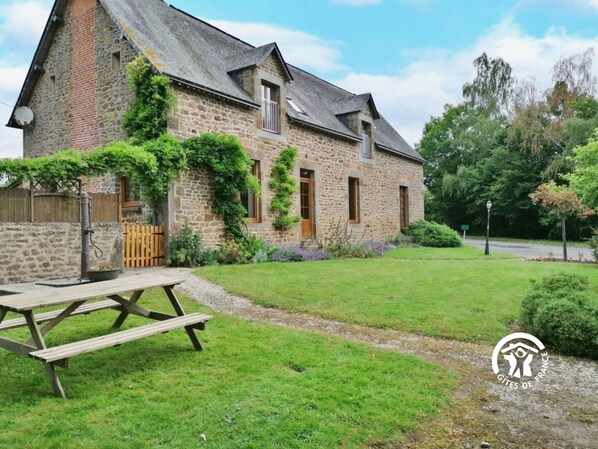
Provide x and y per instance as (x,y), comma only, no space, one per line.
(22,302)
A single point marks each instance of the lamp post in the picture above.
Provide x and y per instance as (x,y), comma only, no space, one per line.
(488,206)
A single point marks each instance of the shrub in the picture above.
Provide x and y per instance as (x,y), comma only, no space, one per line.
(561,311)
(378,248)
(401,240)
(430,233)
(297,254)
(255,245)
(187,249)
(232,253)
(557,286)
(260,256)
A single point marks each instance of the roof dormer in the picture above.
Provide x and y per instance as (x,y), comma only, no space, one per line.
(354,109)
(249,67)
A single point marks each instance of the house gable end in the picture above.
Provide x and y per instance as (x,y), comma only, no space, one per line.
(54,21)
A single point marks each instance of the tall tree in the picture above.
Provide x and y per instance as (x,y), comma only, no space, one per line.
(584,179)
(492,86)
(562,203)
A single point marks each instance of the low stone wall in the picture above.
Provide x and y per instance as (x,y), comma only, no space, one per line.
(40,251)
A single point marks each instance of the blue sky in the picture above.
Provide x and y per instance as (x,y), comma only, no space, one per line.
(413,55)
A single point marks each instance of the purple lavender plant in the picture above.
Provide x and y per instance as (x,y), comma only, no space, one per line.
(297,254)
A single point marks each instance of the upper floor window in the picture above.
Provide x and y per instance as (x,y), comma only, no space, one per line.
(270,108)
(250,200)
(366,146)
(116,61)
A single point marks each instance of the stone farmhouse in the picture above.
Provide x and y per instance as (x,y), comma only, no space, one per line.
(353,168)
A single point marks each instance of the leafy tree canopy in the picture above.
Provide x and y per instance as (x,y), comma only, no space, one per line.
(503,140)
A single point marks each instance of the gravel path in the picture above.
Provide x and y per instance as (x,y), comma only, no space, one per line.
(560,414)
(531,250)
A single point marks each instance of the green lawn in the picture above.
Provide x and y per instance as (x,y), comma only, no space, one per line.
(254,386)
(460,299)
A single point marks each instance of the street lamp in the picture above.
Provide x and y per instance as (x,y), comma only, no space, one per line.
(488,206)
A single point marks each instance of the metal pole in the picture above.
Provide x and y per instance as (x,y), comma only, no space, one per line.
(85,225)
(487,251)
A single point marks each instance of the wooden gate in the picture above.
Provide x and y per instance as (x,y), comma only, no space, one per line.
(144,245)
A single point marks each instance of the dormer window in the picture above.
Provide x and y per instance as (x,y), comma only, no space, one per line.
(270,108)
(366,135)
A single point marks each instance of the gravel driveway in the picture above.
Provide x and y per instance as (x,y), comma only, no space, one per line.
(560,414)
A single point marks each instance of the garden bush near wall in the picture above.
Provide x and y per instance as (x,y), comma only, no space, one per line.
(187,249)
(562,312)
(430,233)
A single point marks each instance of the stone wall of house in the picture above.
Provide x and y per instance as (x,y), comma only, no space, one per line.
(332,159)
(40,251)
(80,98)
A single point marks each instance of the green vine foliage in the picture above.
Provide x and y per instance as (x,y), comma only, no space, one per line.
(284,186)
(50,170)
(146,119)
(122,159)
(153,166)
(171,159)
(230,166)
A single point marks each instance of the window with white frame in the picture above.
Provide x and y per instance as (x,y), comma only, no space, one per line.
(270,108)
(366,145)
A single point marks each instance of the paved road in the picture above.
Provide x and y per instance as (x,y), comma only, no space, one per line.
(529,250)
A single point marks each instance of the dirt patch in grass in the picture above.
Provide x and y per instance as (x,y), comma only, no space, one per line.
(561,413)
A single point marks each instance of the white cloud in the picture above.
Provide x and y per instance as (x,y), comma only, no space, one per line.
(11,78)
(357,2)
(22,23)
(298,48)
(11,142)
(435,77)
(582,4)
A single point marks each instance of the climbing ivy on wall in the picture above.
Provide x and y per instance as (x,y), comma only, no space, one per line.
(146,118)
(284,186)
(230,167)
(153,166)
(119,158)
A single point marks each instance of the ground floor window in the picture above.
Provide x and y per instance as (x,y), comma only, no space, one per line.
(353,200)
(250,200)
(130,193)
(404,207)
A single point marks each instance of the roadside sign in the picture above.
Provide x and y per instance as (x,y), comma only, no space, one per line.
(464,228)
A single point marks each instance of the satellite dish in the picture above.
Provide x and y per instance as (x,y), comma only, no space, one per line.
(24,116)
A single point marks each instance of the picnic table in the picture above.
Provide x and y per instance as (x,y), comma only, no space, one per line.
(78,301)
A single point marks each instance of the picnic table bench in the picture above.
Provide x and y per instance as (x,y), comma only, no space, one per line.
(76,297)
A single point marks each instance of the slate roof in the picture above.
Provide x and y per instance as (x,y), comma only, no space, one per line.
(195,53)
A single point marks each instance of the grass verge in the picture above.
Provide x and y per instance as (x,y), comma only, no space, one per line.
(471,300)
(559,243)
(460,253)
(254,386)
